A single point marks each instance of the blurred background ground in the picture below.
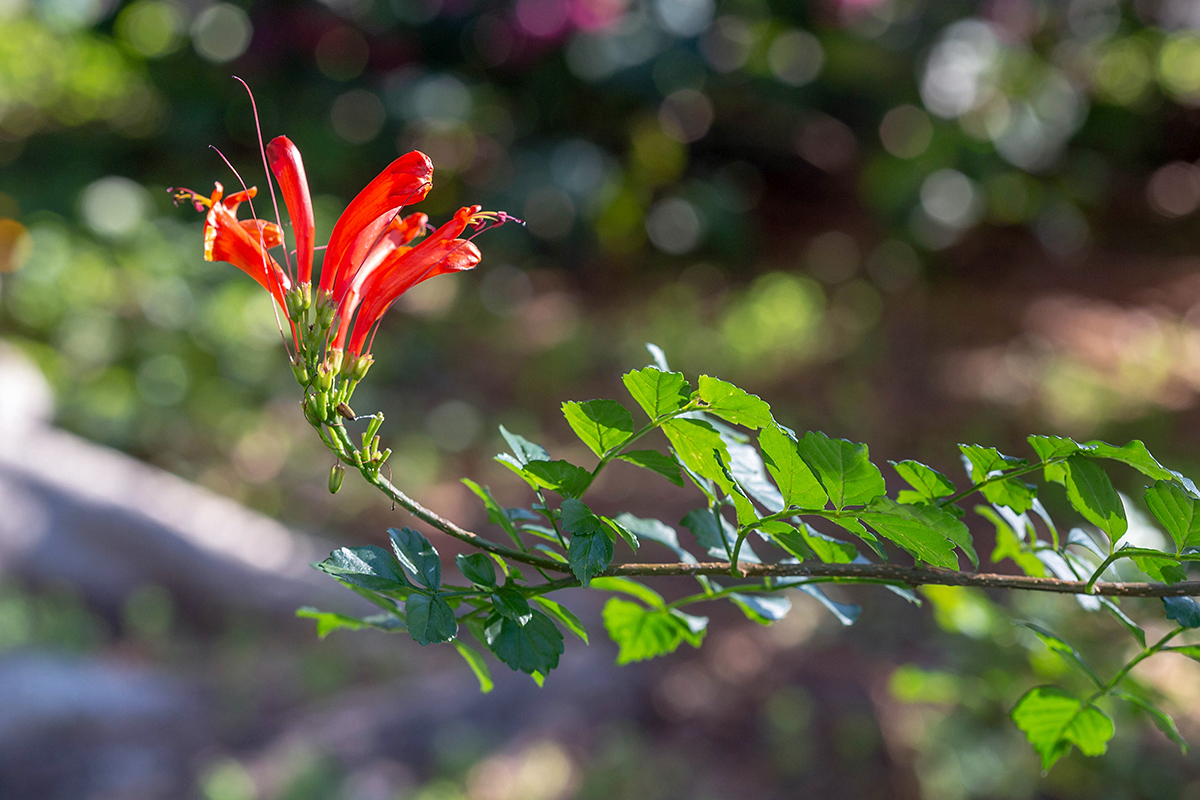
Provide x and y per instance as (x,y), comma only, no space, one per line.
(903,222)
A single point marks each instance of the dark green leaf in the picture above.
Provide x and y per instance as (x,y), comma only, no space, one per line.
(1134,629)
(657,392)
(523,450)
(509,602)
(1178,512)
(430,619)
(715,534)
(642,633)
(328,622)
(476,663)
(1183,610)
(733,404)
(796,481)
(370,567)
(1052,720)
(655,461)
(532,647)
(477,568)
(928,482)
(844,469)
(564,616)
(1092,494)
(987,462)
(600,424)
(591,550)
(701,449)
(417,555)
(495,513)
(656,531)
(560,476)
(928,534)
(1063,649)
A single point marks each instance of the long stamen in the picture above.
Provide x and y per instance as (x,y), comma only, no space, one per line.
(181,194)
(263,249)
(270,184)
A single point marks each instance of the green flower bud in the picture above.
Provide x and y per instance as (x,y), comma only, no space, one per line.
(335,477)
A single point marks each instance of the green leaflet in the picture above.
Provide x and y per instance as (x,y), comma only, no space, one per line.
(477,665)
(523,450)
(1008,545)
(733,404)
(642,633)
(928,483)
(927,533)
(844,469)
(511,604)
(657,392)
(1053,720)
(600,424)
(370,567)
(655,461)
(1178,512)
(417,555)
(591,550)
(563,615)
(328,622)
(495,513)
(796,481)
(430,618)
(701,449)
(477,568)
(984,463)
(560,476)
(1092,494)
(529,648)
(1064,649)
(1162,720)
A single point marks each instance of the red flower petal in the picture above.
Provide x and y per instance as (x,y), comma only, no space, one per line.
(288,167)
(406,180)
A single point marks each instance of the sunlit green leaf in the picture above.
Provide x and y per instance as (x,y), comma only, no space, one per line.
(733,404)
(927,533)
(926,481)
(370,567)
(1053,720)
(1162,720)
(657,392)
(477,665)
(560,476)
(844,469)
(984,463)
(1063,649)
(600,424)
(796,481)
(495,512)
(701,449)
(523,450)
(1092,494)
(1178,512)
(632,588)
(328,622)
(642,633)
(1008,545)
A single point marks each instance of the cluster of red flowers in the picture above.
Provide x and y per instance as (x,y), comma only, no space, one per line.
(374,253)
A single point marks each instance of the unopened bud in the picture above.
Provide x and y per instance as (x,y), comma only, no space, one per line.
(335,477)
(310,411)
(334,359)
(301,373)
(383,457)
(325,310)
(356,369)
(373,427)
(324,377)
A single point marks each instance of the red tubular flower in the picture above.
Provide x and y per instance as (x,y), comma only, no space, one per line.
(241,243)
(289,171)
(393,268)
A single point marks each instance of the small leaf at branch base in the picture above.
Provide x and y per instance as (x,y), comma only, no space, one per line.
(655,461)
(1051,447)
(1053,720)
(477,665)
(1161,568)
(1183,610)
(600,424)
(430,619)
(734,404)
(532,647)
(591,549)
(657,392)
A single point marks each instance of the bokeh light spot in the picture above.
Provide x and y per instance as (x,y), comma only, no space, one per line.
(674,226)
(796,57)
(951,199)
(906,131)
(454,425)
(342,53)
(16,245)
(221,33)
(686,115)
(1174,190)
(357,116)
(151,27)
(114,206)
